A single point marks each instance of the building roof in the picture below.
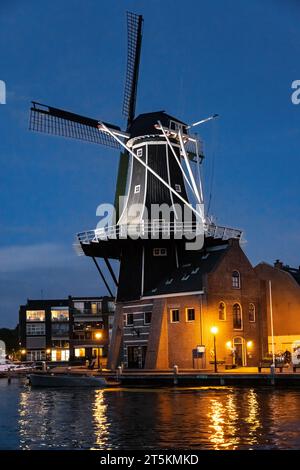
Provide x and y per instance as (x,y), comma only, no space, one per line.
(189,277)
(294,272)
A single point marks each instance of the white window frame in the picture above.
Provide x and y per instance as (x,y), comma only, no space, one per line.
(139,152)
(236,277)
(37,329)
(241,310)
(178,188)
(130,325)
(186,314)
(137,189)
(171,315)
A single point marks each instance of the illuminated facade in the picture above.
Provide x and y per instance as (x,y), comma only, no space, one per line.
(60,330)
(285,296)
(217,294)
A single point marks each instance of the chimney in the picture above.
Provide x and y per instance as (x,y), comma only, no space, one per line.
(278,264)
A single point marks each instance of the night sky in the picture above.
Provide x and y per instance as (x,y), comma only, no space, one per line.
(231,57)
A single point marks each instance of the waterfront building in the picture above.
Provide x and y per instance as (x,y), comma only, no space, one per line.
(59,330)
(285,297)
(172,323)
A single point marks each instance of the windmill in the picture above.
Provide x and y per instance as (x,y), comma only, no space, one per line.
(158,162)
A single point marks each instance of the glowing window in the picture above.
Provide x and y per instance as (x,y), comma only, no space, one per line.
(35,315)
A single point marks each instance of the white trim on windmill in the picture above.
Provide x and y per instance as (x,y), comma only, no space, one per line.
(189,167)
(103,128)
(174,153)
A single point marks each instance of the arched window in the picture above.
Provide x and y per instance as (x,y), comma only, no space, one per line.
(237,317)
(251,312)
(236,280)
(222,311)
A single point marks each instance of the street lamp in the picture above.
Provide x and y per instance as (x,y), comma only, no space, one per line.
(214,331)
(98,335)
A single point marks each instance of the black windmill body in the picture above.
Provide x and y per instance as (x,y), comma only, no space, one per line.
(153,147)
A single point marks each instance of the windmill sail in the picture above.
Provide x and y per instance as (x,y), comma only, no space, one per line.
(134,38)
(134,32)
(63,123)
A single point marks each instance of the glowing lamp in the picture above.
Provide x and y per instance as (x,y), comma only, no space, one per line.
(214,330)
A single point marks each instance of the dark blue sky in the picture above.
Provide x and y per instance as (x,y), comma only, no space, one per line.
(199,57)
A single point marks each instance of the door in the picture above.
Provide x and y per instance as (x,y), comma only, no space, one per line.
(133,357)
(239,354)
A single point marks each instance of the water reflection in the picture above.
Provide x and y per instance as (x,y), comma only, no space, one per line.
(194,418)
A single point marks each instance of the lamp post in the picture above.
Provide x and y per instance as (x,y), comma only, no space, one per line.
(98,336)
(214,331)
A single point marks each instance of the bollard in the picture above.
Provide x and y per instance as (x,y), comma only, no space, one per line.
(272,371)
(175,371)
(119,372)
(9,376)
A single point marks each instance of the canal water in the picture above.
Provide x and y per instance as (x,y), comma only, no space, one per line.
(179,418)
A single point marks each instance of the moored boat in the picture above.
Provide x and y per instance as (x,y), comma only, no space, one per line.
(66,380)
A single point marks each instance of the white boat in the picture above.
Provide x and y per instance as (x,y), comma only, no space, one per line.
(66,380)
(13,367)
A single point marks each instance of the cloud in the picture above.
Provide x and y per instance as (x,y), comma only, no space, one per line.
(18,258)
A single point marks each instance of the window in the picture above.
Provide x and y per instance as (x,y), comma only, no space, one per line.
(190,314)
(35,315)
(222,311)
(129,319)
(175,315)
(137,189)
(159,252)
(60,355)
(237,317)
(178,188)
(79,306)
(59,314)
(139,152)
(80,352)
(36,355)
(95,308)
(60,329)
(251,312)
(236,280)
(35,329)
(147,318)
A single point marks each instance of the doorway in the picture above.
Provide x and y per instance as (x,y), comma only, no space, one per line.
(136,356)
(239,351)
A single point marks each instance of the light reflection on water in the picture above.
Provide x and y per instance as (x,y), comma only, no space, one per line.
(194,418)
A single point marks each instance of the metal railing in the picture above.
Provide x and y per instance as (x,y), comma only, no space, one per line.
(159,229)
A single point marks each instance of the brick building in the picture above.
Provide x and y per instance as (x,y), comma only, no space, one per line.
(218,287)
(285,294)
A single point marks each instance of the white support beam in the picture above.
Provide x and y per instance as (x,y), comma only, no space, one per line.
(189,168)
(103,127)
(175,156)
